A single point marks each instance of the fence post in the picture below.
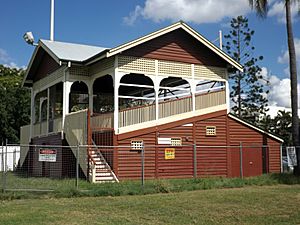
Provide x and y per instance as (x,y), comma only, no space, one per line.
(143,165)
(14,159)
(281,163)
(241,160)
(2,165)
(5,167)
(195,160)
(77,167)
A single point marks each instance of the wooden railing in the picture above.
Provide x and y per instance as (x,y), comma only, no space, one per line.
(168,108)
(40,129)
(76,132)
(210,99)
(136,115)
(24,141)
(105,120)
(174,107)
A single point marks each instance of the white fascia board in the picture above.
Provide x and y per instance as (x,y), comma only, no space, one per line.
(30,64)
(143,39)
(212,47)
(50,52)
(255,128)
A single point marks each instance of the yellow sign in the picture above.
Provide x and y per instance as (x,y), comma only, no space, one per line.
(169,153)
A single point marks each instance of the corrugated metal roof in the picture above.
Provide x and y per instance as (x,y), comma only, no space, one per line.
(71,51)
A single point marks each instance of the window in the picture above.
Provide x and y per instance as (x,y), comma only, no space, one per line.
(211,131)
(137,144)
(176,141)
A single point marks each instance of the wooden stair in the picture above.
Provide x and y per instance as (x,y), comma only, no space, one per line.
(100,171)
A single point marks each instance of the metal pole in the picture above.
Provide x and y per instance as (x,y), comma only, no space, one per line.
(241,160)
(5,167)
(220,39)
(52,21)
(143,165)
(2,165)
(77,168)
(195,160)
(281,166)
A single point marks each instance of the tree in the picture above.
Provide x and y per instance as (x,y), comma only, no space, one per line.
(261,7)
(14,105)
(247,87)
(280,125)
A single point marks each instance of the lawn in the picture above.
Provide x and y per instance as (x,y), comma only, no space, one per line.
(278,204)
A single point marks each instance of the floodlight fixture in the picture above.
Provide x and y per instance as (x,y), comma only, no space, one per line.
(28,37)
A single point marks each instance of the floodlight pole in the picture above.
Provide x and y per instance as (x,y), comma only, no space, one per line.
(220,39)
(52,21)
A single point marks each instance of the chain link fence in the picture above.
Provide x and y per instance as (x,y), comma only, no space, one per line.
(54,167)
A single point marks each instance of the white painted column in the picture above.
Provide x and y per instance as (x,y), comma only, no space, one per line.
(48,108)
(227,96)
(156,90)
(91,94)
(66,93)
(117,77)
(193,84)
(32,112)
(193,88)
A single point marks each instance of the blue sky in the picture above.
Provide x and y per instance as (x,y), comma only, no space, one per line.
(113,22)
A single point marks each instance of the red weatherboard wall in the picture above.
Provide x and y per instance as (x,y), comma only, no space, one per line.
(46,66)
(177,46)
(211,160)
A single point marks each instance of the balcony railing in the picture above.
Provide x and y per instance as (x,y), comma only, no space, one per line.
(172,107)
(105,120)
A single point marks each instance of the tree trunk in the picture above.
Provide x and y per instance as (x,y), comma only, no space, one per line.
(293,77)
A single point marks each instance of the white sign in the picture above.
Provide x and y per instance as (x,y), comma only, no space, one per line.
(291,156)
(47,155)
(164,141)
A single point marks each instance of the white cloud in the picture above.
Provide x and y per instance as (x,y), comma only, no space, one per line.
(284,58)
(277,9)
(129,20)
(197,11)
(280,89)
(4,57)
(7,61)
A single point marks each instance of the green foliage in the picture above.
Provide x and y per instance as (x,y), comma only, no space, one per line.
(15,103)
(248,88)
(280,125)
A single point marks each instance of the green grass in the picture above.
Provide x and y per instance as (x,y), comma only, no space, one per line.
(277,204)
(66,187)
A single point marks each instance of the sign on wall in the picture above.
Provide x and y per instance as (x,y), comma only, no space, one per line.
(47,155)
(169,153)
(291,156)
(164,141)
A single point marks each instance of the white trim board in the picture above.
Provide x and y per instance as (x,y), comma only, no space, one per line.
(255,128)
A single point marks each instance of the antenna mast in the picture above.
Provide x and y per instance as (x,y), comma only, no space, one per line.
(52,21)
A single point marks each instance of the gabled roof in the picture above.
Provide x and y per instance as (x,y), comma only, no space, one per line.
(62,51)
(69,51)
(255,127)
(175,26)
(86,54)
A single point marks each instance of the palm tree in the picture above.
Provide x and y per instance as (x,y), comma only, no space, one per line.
(261,7)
